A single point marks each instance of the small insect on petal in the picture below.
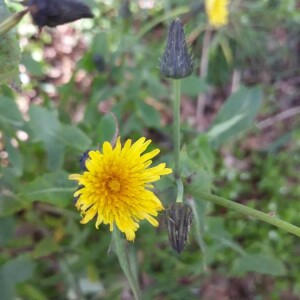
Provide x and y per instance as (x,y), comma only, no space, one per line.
(84,157)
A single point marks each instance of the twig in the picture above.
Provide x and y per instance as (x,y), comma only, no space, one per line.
(279,117)
(203,74)
(236,80)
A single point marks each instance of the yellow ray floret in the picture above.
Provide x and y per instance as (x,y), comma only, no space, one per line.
(116,187)
(217,12)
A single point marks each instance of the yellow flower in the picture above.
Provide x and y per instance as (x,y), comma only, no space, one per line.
(217,11)
(116,186)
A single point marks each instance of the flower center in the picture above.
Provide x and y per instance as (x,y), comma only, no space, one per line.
(114,185)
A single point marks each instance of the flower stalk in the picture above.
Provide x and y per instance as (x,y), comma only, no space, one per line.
(176,124)
(251,212)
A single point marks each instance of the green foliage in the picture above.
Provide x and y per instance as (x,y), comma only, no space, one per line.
(10,54)
(14,271)
(236,115)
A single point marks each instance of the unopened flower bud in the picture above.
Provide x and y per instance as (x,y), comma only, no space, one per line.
(179,218)
(176,61)
(57,12)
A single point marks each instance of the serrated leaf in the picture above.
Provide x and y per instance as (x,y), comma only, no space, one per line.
(236,115)
(10,54)
(260,263)
(54,188)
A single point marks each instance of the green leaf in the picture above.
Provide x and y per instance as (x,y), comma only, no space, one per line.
(44,124)
(32,66)
(45,247)
(28,291)
(199,210)
(7,228)
(236,115)
(216,230)
(54,188)
(18,269)
(107,128)
(10,54)
(10,203)
(45,127)
(14,271)
(15,158)
(55,136)
(193,85)
(9,113)
(149,115)
(195,178)
(260,263)
(6,288)
(125,260)
(74,137)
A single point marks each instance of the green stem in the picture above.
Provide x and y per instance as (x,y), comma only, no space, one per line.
(176,124)
(179,197)
(251,212)
(125,262)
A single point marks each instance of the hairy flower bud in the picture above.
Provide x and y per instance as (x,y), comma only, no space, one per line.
(179,218)
(176,61)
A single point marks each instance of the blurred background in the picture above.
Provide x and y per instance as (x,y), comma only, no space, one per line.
(72,75)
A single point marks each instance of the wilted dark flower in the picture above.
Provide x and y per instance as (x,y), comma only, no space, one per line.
(57,12)
(176,61)
(179,218)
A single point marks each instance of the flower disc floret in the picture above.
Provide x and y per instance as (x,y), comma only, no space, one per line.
(116,186)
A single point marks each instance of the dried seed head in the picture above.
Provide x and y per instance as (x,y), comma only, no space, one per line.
(57,12)
(179,218)
(176,61)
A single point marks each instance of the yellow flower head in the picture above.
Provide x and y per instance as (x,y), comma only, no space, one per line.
(217,11)
(116,186)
